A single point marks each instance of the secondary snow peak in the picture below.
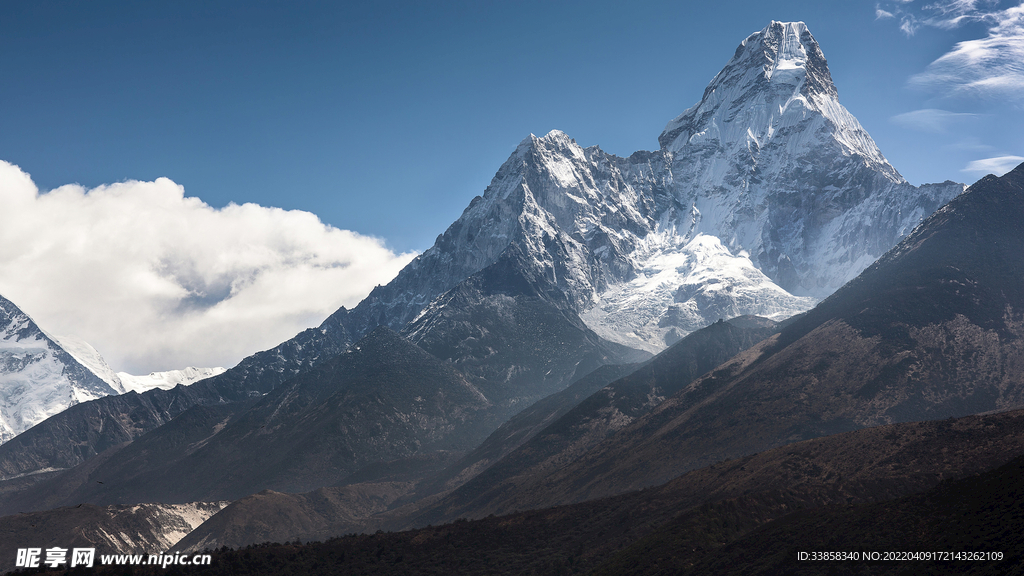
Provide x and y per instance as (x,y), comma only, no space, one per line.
(38,378)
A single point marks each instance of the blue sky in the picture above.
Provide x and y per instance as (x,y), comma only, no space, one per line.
(385,118)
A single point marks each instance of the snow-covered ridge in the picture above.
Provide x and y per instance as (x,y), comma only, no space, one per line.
(89,357)
(167,380)
(125,382)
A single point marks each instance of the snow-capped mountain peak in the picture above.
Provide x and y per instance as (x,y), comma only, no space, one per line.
(89,357)
(777,86)
(774,165)
(38,378)
(787,53)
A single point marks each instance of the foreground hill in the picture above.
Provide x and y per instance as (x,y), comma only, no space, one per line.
(687,520)
(967,526)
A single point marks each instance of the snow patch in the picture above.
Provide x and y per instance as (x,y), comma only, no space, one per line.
(683,286)
(167,380)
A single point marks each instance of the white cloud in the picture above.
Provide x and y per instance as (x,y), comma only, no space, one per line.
(949,14)
(930,120)
(909,25)
(992,66)
(882,14)
(999,165)
(156,280)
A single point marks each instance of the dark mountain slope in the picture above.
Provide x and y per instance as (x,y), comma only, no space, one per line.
(522,427)
(591,420)
(110,470)
(382,400)
(513,331)
(685,360)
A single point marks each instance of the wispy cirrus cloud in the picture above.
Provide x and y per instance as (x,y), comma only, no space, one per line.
(998,165)
(931,120)
(909,24)
(157,280)
(990,67)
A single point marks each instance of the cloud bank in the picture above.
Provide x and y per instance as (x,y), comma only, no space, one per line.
(156,280)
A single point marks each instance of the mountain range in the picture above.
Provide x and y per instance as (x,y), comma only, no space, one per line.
(600,334)
(927,332)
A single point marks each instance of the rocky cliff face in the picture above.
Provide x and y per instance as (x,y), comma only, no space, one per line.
(138,529)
